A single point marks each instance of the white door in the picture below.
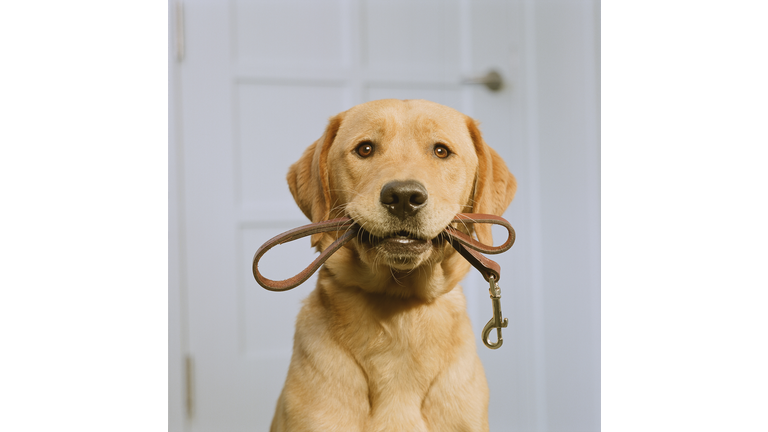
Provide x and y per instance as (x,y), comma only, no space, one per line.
(257,83)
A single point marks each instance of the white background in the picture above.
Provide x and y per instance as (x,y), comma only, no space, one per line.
(83,175)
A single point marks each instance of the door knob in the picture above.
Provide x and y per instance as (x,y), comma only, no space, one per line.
(492,81)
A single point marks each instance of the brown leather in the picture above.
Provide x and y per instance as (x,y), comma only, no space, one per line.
(469,218)
(468,247)
(341,224)
(485,266)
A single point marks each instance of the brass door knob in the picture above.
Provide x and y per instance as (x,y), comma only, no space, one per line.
(492,81)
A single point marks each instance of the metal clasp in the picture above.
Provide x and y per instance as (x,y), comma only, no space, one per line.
(495,322)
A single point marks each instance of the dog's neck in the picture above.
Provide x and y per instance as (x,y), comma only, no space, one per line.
(394,306)
(425,283)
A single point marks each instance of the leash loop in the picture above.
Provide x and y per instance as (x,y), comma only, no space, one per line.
(468,247)
(473,218)
(341,224)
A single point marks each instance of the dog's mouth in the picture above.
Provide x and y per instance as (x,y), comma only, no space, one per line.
(398,244)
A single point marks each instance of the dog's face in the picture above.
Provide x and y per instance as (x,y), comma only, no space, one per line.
(401,170)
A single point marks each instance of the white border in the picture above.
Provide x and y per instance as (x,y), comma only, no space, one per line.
(83,172)
(684,178)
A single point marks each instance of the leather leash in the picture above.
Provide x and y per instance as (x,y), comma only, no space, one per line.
(468,247)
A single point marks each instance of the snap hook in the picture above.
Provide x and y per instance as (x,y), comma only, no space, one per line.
(495,322)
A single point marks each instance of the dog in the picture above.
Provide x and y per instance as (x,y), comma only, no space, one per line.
(384,342)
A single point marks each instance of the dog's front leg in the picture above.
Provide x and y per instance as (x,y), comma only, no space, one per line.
(458,398)
(325,389)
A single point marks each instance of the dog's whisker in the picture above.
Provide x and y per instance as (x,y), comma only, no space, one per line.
(338,208)
(467,228)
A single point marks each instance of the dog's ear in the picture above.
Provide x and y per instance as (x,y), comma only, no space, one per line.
(308,177)
(495,186)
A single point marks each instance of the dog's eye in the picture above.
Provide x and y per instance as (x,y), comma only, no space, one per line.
(365,149)
(441,151)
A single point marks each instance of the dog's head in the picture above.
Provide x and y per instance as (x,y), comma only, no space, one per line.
(401,170)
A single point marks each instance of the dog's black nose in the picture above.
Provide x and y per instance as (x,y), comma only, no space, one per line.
(403,198)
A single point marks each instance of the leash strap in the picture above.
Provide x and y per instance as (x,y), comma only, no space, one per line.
(468,247)
(341,224)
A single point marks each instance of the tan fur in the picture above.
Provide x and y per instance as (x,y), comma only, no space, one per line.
(384,342)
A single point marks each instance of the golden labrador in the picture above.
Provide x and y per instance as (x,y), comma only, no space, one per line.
(384,342)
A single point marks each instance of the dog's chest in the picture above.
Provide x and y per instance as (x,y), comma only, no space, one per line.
(401,353)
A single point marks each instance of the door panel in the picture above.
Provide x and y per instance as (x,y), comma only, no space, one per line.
(405,38)
(275,123)
(267,318)
(289,33)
